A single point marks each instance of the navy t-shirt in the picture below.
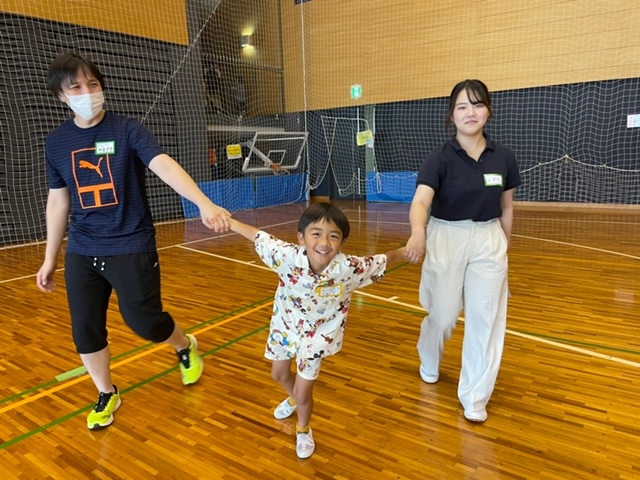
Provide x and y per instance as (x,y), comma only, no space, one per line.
(466,189)
(104,169)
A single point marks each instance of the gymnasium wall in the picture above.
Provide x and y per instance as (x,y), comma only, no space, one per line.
(406,50)
(164,20)
(575,55)
(565,75)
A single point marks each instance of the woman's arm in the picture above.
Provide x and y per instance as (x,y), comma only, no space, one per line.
(418,215)
(506,220)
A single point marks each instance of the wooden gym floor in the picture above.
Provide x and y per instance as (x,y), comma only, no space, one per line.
(565,407)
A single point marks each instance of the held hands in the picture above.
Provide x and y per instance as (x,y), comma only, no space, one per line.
(216,218)
(415,249)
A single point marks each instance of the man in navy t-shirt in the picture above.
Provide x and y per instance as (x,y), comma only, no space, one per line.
(96,166)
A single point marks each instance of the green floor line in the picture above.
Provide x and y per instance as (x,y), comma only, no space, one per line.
(81,370)
(397,267)
(131,388)
(76,372)
(578,342)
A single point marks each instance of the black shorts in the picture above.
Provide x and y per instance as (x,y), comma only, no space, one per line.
(135,278)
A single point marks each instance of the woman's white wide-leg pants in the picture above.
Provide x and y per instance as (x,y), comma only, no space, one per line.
(465,260)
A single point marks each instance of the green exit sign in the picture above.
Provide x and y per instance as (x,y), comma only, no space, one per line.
(356,91)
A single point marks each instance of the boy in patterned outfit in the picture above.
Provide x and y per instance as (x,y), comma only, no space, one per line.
(311,303)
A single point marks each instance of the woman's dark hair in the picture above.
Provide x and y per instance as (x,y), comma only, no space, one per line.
(477,92)
(64,69)
(324,211)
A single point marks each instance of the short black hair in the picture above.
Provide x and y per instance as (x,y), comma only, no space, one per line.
(324,211)
(64,69)
(477,92)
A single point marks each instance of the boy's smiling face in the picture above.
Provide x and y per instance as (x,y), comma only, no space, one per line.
(323,241)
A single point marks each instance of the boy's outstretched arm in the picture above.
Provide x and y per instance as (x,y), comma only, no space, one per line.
(396,255)
(247,231)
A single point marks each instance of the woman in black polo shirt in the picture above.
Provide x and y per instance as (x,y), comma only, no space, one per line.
(468,183)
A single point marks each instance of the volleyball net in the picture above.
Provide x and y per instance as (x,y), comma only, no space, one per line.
(264,101)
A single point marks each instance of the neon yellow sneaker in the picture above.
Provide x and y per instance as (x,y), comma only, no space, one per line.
(191,363)
(101,415)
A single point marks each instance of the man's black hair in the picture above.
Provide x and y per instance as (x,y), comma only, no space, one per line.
(64,70)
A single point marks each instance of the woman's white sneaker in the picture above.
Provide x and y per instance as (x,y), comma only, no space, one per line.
(428,378)
(477,416)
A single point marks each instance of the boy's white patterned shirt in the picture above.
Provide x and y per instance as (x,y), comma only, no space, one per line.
(310,311)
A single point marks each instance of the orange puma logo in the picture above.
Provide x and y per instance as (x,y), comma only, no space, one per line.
(86,164)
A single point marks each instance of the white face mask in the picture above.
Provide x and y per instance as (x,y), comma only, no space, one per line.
(86,106)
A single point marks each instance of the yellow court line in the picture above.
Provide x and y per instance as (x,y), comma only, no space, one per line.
(125,361)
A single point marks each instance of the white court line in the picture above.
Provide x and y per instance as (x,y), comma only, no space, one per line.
(379,221)
(419,308)
(524,335)
(415,307)
(25,276)
(251,264)
(224,235)
(366,221)
(14,279)
(575,349)
(579,246)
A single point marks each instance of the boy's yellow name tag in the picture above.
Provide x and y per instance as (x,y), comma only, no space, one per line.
(330,290)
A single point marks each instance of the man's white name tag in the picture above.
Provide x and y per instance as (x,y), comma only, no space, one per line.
(106,148)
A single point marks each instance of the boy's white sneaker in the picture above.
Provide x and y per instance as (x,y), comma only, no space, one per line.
(305,445)
(284,410)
